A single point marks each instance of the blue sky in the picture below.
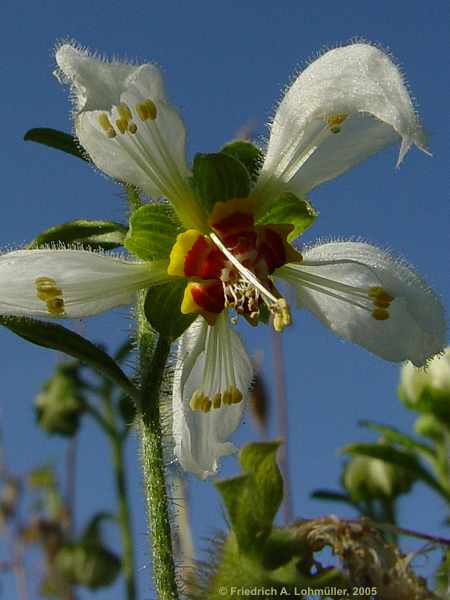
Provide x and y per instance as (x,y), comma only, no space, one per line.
(225,65)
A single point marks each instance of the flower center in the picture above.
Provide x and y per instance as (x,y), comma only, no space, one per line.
(231,267)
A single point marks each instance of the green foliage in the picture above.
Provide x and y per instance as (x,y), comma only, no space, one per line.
(246,153)
(153,231)
(292,210)
(162,309)
(253,499)
(55,139)
(219,177)
(104,235)
(88,562)
(57,337)
(60,404)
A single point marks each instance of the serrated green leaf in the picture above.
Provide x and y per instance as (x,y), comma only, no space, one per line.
(401,458)
(162,309)
(104,235)
(253,499)
(153,231)
(246,153)
(219,177)
(57,337)
(290,209)
(55,139)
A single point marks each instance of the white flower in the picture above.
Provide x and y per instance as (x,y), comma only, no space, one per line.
(346,105)
(436,377)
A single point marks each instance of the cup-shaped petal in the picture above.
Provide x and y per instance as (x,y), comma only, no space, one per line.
(346,105)
(211,360)
(344,284)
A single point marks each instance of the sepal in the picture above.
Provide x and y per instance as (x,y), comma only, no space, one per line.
(59,140)
(104,235)
(246,153)
(163,309)
(292,210)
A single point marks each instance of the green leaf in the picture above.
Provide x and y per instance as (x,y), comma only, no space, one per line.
(153,231)
(246,153)
(219,177)
(253,499)
(57,337)
(401,458)
(163,309)
(332,496)
(55,139)
(394,436)
(290,209)
(104,235)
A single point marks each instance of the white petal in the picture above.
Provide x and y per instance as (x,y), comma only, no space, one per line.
(89,283)
(153,157)
(98,84)
(357,80)
(415,329)
(210,359)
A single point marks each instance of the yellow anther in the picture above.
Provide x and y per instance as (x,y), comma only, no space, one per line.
(122,125)
(46,288)
(236,395)
(217,400)
(380,314)
(281,315)
(55,306)
(334,121)
(206,405)
(105,124)
(382,303)
(146,110)
(124,111)
(132,127)
(227,397)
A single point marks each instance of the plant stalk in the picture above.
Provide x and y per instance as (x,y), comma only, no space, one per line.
(153,363)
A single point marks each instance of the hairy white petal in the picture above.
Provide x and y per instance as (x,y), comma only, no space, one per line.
(415,329)
(217,354)
(89,282)
(358,80)
(151,152)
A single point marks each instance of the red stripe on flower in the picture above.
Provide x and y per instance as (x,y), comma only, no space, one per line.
(204,260)
(271,249)
(209,296)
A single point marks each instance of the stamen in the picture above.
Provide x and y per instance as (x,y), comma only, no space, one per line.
(132,127)
(334,121)
(281,315)
(105,124)
(48,292)
(122,125)
(124,111)
(146,110)
(201,402)
(380,314)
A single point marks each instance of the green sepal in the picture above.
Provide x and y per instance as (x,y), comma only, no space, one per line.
(391,435)
(253,499)
(57,337)
(290,209)
(219,177)
(401,458)
(246,153)
(56,139)
(163,309)
(153,231)
(104,235)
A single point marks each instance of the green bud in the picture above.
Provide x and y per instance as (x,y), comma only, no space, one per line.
(428,390)
(59,405)
(428,426)
(88,564)
(366,478)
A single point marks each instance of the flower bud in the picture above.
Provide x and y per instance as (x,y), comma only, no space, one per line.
(367,478)
(428,390)
(59,405)
(428,426)
(88,564)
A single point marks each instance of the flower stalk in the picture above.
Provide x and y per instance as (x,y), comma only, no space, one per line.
(153,361)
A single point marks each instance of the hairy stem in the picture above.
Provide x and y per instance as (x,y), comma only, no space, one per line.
(153,362)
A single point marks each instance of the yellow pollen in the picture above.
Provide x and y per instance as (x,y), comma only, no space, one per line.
(379,293)
(105,124)
(380,314)
(281,315)
(124,111)
(217,400)
(56,306)
(122,125)
(146,110)
(334,121)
